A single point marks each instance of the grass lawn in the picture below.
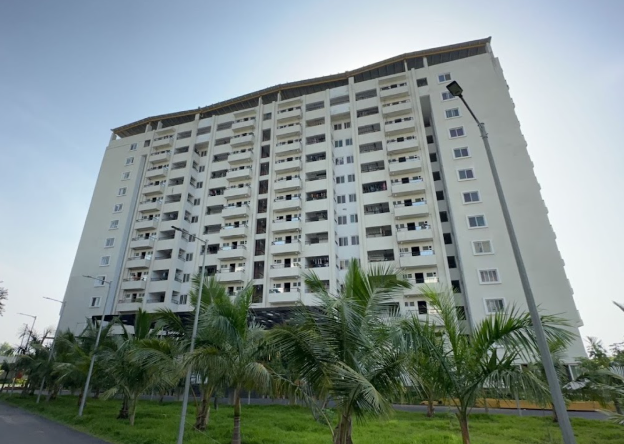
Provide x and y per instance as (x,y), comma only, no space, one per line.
(158,424)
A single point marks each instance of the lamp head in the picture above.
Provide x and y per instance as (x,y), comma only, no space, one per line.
(455,89)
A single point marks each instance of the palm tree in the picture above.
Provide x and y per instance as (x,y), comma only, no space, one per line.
(343,349)
(485,359)
(240,347)
(4,295)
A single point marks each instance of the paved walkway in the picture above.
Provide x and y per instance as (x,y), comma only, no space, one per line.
(17,426)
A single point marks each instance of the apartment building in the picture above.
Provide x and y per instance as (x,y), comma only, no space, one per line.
(380,164)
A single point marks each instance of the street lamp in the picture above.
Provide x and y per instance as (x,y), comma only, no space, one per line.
(53,343)
(97,342)
(32,327)
(187,381)
(551,375)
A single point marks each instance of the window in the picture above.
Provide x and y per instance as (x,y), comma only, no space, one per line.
(99,281)
(447,95)
(110,242)
(95,302)
(466,174)
(340,199)
(443,216)
(352,198)
(353,218)
(471,197)
(452,113)
(351,178)
(421,82)
(452,263)
(433,157)
(117,208)
(460,311)
(489,276)
(448,239)
(476,221)
(199,185)
(347,125)
(113,225)
(436,175)
(104,261)
(186,277)
(444,77)
(337,126)
(196,202)
(440,195)
(340,179)
(494,305)
(194,219)
(349,159)
(457,132)
(458,153)
(355,240)
(133,147)
(343,241)
(339,160)
(342,220)
(129,160)
(122,191)
(146,143)
(482,247)
(337,143)
(348,142)
(189,257)
(430,139)
(125,175)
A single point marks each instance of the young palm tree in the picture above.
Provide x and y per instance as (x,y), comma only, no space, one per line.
(343,348)
(487,358)
(240,347)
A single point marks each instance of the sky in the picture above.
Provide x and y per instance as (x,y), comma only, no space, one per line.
(72,70)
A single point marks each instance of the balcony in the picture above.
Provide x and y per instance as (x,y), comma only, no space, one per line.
(317,225)
(230,253)
(340,110)
(416,209)
(156,173)
(240,141)
(152,188)
(129,305)
(163,142)
(282,247)
(318,147)
(399,90)
(286,204)
(236,192)
(317,247)
(407,166)
(317,184)
(284,297)
(279,271)
(237,275)
(141,243)
(139,262)
(402,146)
(232,212)
(134,284)
(232,231)
(289,130)
(407,260)
(287,166)
(288,148)
(411,187)
(281,225)
(244,125)
(161,156)
(240,157)
(402,126)
(239,174)
(286,114)
(287,185)
(146,224)
(392,109)
(150,205)
(322,272)
(421,233)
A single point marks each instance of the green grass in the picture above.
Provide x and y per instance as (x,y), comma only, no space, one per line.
(158,424)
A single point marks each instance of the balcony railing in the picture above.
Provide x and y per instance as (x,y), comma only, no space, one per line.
(421,253)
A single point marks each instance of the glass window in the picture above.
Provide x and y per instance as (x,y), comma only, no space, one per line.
(104,261)
(476,221)
(471,197)
(494,305)
(457,132)
(451,113)
(466,174)
(444,77)
(489,276)
(458,153)
(482,247)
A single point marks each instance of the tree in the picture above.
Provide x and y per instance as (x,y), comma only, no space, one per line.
(486,358)
(4,295)
(240,340)
(6,349)
(342,349)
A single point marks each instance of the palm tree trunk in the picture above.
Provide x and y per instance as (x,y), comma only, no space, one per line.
(618,406)
(342,433)
(6,376)
(463,424)
(80,398)
(236,435)
(123,411)
(555,418)
(132,408)
(203,412)
(430,407)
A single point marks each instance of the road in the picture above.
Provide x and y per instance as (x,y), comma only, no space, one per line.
(20,427)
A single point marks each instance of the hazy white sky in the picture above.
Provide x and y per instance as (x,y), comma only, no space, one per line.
(71,70)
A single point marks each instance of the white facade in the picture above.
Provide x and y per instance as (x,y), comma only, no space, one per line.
(375,164)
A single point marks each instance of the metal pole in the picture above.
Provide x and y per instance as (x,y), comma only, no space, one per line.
(52,347)
(97,342)
(542,343)
(187,381)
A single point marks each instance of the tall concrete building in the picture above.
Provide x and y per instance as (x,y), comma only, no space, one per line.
(380,163)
